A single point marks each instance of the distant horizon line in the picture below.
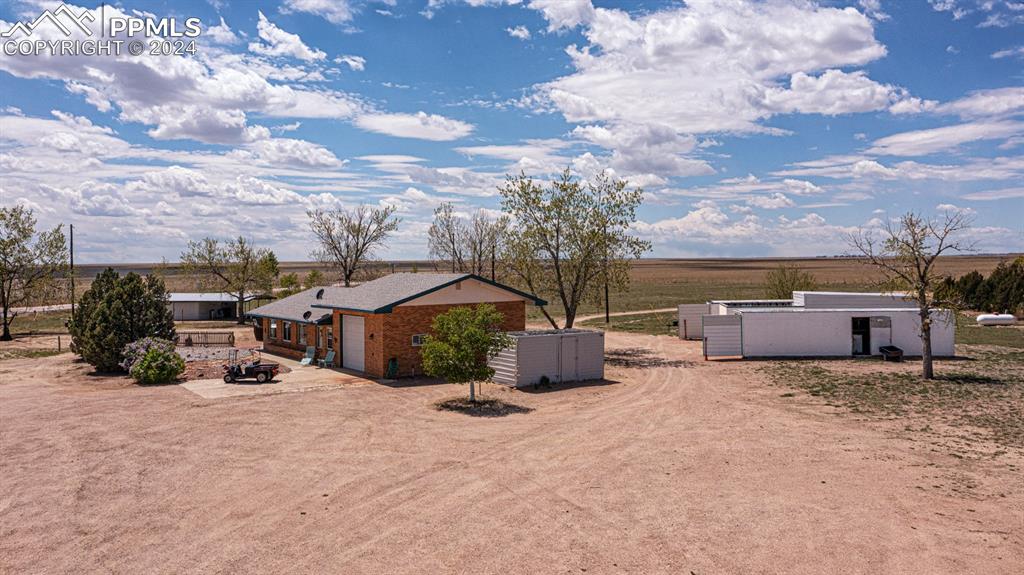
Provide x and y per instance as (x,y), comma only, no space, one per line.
(429,262)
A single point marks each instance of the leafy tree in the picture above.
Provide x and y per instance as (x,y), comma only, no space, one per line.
(781,282)
(906,254)
(290,283)
(314,279)
(270,261)
(29,262)
(571,239)
(116,311)
(349,238)
(234,266)
(463,340)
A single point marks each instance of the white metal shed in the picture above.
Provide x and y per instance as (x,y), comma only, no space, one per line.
(824,324)
(561,355)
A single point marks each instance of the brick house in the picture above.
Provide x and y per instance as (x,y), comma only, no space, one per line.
(377,327)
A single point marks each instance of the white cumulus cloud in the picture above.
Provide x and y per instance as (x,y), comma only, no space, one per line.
(420,125)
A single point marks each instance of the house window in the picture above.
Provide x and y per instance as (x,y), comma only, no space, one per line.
(319,337)
(330,338)
(286,330)
(419,339)
(302,334)
(273,329)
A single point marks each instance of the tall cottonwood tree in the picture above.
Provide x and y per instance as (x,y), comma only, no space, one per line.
(905,252)
(234,266)
(444,238)
(349,238)
(466,244)
(29,262)
(568,238)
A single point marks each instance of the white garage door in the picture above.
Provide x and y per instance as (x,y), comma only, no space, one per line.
(352,353)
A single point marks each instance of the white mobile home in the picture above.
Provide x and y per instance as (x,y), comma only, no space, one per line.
(820,324)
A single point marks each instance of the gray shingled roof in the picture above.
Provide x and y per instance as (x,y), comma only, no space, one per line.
(377,296)
(295,306)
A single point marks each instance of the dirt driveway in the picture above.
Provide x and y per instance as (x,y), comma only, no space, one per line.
(676,466)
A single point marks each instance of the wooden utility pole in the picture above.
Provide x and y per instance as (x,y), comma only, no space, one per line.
(71,230)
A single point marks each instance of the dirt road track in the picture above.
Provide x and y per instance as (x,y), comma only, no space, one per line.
(674,467)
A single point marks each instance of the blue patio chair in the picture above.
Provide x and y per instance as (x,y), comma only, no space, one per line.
(308,358)
(327,361)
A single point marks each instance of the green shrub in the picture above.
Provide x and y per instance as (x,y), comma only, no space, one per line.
(136,350)
(158,366)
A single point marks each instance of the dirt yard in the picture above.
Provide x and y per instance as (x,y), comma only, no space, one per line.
(673,465)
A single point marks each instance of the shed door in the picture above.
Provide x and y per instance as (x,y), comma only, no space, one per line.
(568,360)
(723,335)
(352,352)
(689,319)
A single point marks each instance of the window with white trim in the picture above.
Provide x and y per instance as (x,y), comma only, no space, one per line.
(330,338)
(286,330)
(302,334)
(419,339)
(273,329)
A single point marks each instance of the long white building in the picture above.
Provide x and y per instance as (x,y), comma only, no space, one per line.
(814,324)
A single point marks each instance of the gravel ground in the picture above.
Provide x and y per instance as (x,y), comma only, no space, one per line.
(209,353)
(673,465)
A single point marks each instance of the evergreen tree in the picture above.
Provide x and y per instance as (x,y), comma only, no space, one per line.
(116,311)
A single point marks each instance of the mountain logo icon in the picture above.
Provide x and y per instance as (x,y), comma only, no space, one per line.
(54,17)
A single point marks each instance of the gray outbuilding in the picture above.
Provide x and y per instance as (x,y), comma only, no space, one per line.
(201,306)
(559,354)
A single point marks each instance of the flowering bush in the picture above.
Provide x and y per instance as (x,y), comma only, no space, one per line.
(136,350)
(157,366)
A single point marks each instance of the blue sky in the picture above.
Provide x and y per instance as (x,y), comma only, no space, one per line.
(755,129)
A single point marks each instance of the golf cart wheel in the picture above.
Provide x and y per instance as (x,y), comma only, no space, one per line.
(228,378)
(262,377)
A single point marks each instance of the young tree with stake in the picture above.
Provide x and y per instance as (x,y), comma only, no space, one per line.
(906,254)
(349,238)
(462,342)
(234,266)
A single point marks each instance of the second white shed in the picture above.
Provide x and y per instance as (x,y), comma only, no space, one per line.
(560,355)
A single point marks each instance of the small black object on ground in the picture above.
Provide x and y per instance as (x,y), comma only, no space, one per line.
(891,353)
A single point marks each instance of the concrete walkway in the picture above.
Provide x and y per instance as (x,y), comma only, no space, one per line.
(300,378)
